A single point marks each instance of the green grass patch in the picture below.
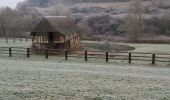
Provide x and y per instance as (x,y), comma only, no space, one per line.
(108,47)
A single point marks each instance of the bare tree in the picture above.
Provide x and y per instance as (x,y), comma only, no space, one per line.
(134,23)
(15,22)
(157,3)
(61,10)
(7,16)
(165,24)
(84,29)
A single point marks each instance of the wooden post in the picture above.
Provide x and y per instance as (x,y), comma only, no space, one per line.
(130,58)
(46,53)
(28,53)
(26,39)
(153,59)
(85,56)
(107,56)
(10,52)
(66,54)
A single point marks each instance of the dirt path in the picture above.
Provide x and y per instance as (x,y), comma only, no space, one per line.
(81,81)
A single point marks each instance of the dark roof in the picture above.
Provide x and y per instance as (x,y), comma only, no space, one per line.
(61,24)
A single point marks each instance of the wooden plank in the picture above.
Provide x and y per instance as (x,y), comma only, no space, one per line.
(107,57)
(130,57)
(85,56)
(10,52)
(28,52)
(66,54)
(153,59)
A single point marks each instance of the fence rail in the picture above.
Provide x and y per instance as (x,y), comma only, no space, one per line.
(130,57)
(15,39)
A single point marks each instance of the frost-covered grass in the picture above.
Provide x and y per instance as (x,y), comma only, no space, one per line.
(36,78)
(151,48)
(139,47)
(42,79)
(17,43)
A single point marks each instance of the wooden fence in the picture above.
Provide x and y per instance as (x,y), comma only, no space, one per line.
(123,56)
(129,57)
(15,39)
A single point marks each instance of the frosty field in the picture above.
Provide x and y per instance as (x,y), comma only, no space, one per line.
(70,80)
(36,78)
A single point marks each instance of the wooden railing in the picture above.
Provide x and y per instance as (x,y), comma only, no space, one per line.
(129,57)
(14,40)
(123,56)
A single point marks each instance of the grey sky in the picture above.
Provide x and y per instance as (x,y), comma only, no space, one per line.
(9,3)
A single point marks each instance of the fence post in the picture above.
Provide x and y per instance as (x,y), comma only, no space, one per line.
(10,52)
(26,39)
(107,56)
(153,59)
(46,53)
(85,56)
(28,53)
(130,58)
(66,54)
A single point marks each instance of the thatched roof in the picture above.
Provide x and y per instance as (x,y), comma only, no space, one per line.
(60,24)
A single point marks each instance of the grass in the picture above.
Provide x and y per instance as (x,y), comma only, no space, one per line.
(152,48)
(97,98)
(68,80)
(165,98)
(17,43)
(36,78)
(108,47)
(149,48)
(139,47)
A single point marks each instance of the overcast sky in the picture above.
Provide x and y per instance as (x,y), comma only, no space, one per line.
(9,3)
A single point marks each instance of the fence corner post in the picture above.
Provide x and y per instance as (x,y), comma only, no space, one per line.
(66,54)
(107,56)
(153,59)
(85,56)
(130,58)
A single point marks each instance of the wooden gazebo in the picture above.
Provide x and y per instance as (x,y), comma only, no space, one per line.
(55,32)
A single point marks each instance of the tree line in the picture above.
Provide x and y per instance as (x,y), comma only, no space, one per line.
(44,3)
(135,25)
(15,22)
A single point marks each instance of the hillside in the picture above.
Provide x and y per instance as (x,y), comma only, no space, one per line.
(107,17)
